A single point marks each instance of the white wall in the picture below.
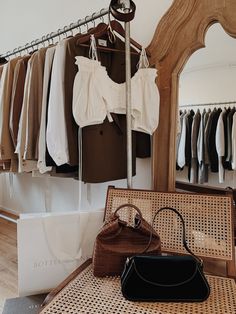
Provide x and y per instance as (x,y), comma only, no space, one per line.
(20,23)
(210,76)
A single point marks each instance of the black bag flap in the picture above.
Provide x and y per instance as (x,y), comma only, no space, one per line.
(168,271)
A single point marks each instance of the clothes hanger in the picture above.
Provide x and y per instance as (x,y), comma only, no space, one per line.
(107,29)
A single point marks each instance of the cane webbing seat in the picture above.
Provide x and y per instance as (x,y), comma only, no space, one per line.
(208,219)
(86,294)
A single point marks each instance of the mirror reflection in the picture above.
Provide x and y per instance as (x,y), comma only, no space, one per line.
(206,136)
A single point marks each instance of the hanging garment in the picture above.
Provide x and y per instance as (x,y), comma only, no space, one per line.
(25,165)
(229,138)
(233,136)
(200,149)
(208,122)
(180,139)
(96,96)
(188,150)
(212,141)
(42,132)
(17,96)
(95,170)
(194,137)
(1,70)
(34,106)
(225,119)
(96,148)
(220,146)
(56,134)
(182,142)
(7,147)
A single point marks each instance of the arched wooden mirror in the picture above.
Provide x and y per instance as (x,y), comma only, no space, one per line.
(179,34)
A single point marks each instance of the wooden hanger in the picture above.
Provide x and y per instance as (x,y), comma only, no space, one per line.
(103,29)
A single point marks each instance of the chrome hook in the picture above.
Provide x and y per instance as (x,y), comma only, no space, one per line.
(51,37)
(43,39)
(64,31)
(71,27)
(93,20)
(59,34)
(78,26)
(86,23)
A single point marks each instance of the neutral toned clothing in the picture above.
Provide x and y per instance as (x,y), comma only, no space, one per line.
(200,149)
(100,140)
(42,133)
(96,96)
(212,142)
(25,165)
(194,137)
(220,146)
(34,106)
(56,134)
(233,136)
(17,96)
(7,147)
(1,70)
(229,138)
(182,142)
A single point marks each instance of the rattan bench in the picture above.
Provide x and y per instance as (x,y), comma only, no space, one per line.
(209,229)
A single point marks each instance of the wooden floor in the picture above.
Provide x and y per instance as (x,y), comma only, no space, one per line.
(8,261)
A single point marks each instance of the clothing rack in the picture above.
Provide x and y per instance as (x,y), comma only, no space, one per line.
(210,104)
(126,6)
(58,33)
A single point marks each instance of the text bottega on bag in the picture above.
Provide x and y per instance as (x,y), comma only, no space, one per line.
(165,278)
(117,240)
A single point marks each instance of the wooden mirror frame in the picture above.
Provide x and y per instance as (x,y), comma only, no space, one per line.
(179,34)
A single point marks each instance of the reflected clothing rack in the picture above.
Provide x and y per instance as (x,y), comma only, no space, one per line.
(209,104)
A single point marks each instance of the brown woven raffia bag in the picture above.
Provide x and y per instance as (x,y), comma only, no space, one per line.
(117,241)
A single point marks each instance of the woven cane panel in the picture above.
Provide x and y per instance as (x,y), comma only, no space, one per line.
(208,219)
(91,295)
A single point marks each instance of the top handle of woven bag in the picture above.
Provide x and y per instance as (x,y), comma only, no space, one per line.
(129,205)
(184,232)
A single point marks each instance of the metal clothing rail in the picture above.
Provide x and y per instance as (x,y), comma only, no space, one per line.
(210,104)
(59,32)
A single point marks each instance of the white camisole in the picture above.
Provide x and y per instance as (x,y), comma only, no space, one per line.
(95,95)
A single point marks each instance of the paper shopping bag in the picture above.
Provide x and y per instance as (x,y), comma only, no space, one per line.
(51,246)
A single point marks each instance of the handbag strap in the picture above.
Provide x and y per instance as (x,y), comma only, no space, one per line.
(128,205)
(184,232)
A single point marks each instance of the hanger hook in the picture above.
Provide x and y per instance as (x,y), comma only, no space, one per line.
(71,28)
(27,48)
(51,37)
(111,34)
(93,19)
(19,50)
(101,17)
(32,45)
(59,34)
(43,39)
(86,22)
(37,43)
(78,26)
(15,52)
(64,31)
(8,55)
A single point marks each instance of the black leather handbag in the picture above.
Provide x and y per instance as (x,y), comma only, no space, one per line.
(165,278)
